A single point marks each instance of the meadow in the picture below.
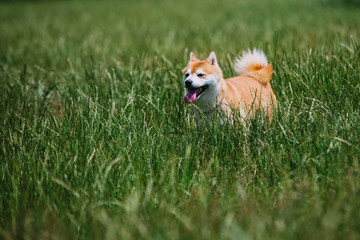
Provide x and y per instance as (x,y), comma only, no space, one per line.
(96,141)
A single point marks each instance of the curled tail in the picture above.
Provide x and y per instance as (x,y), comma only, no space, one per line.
(254,64)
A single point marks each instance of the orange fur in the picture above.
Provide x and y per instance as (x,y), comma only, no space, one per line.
(205,65)
(261,73)
(248,93)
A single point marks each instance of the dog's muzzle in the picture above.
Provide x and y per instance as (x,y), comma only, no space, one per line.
(188,83)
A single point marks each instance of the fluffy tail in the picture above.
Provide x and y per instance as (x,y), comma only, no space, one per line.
(254,64)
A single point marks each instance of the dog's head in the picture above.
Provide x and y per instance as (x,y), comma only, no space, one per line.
(202,79)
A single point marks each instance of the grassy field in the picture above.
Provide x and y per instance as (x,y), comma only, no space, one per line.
(97,143)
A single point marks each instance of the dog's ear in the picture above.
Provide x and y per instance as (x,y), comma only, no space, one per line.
(192,57)
(212,59)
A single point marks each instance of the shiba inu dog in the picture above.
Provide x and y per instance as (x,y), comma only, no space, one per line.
(248,92)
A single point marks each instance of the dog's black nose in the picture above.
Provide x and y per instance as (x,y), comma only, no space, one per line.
(188,83)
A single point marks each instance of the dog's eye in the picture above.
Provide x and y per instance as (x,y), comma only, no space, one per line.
(186,75)
(201,75)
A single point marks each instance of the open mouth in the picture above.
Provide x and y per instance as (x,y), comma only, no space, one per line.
(194,93)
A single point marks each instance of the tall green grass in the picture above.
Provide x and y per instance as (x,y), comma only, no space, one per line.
(97,143)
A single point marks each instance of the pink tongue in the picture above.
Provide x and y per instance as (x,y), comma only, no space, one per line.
(191,96)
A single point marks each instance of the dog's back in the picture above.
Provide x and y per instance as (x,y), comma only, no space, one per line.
(251,89)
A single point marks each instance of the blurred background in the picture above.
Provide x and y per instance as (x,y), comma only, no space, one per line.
(50,32)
